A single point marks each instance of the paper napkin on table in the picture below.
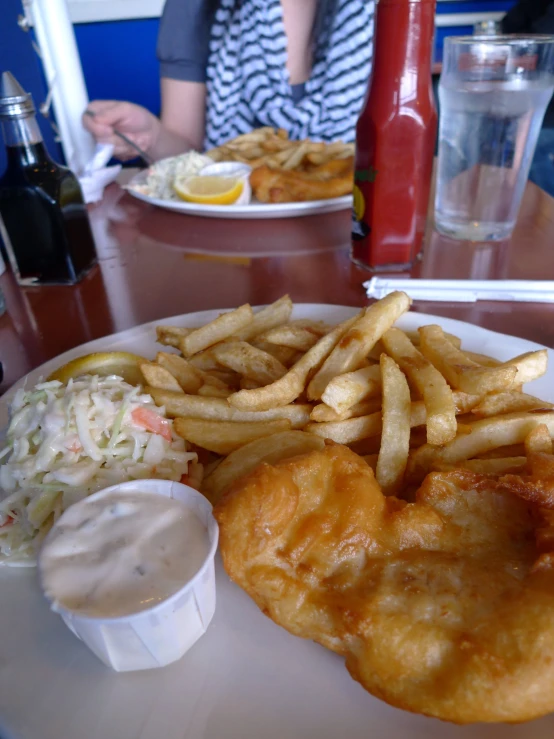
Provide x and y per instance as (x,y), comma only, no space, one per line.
(464,291)
(96,175)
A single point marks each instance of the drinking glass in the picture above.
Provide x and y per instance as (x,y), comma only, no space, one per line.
(493,91)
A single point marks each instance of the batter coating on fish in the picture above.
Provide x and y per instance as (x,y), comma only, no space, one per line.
(443,606)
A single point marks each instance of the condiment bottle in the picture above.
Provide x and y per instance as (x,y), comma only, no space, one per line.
(44,224)
(395,139)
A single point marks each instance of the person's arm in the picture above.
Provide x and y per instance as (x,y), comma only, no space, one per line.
(183,113)
(182,50)
(143,127)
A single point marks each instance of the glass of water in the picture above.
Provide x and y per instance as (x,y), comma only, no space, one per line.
(493,92)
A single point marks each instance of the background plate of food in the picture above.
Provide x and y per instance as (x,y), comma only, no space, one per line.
(257,175)
(247,676)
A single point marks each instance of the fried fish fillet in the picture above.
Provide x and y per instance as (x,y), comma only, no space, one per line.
(330,180)
(437,605)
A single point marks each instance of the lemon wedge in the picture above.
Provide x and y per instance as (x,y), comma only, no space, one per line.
(124,364)
(210,190)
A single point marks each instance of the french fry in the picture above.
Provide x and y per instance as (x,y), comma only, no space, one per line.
(284,354)
(270,449)
(213,391)
(347,389)
(294,337)
(217,330)
(205,360)
(296,156)
(348,431)
(250,362)
(509,450)
(395,436)
(291,385)
(538,441)
(159,377)
(215,409)
(194,476)
(223,437)
(374,355)
(508,402)
(223,376)
(415,339)
(483,359)
(437,396)
(459,370)
(266,319)
(356,429)
(320,328)
(359,340)
(171,335)
(464,402)
(323,413)
(530,366)
(189,377)
(192,379)
(486,435)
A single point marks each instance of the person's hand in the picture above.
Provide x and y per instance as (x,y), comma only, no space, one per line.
(137,123)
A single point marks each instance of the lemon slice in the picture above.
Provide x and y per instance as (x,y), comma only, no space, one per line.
(210,190)
(124,364)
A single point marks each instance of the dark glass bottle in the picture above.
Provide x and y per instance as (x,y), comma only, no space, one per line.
(44,224)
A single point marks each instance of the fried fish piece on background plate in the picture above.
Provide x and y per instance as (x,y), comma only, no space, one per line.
(435,604)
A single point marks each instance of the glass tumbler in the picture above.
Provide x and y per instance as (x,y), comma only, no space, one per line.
(493,91)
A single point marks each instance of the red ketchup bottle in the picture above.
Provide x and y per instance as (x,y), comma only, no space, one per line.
(395,139)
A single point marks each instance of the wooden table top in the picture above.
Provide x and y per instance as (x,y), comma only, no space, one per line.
(154,264)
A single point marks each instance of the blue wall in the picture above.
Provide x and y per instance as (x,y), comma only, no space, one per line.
(119,60)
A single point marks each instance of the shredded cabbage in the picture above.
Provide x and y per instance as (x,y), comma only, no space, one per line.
(162,175)
(65,442)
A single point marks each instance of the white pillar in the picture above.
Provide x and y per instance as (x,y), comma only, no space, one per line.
(64,75)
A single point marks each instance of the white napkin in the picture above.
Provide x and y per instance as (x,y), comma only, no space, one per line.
(96,175)
(464,291)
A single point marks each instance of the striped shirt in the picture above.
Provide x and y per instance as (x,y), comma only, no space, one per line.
(245,66)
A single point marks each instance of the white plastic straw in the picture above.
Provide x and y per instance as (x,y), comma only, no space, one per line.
(464,291)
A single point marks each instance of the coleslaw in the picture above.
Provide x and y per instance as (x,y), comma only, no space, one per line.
(65,442)
(162,175)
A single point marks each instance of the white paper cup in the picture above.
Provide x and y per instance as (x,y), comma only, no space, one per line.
(162,634)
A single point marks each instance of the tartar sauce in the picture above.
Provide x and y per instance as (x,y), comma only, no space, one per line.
(121,553)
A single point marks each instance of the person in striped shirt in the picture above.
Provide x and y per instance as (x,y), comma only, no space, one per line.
(229,66)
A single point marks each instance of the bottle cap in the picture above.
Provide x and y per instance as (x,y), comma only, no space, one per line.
(14,101)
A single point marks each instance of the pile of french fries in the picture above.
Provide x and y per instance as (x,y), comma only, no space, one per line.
(287,171)
(275,149)
(251,387)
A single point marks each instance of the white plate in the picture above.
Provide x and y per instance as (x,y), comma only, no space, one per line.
(246,678)
(252,210)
